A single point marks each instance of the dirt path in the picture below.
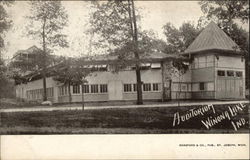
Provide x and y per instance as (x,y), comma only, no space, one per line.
(79,107)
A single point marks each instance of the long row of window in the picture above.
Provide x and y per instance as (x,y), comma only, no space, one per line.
(103,88)
(229,73)
(88,88)
(93,88)
(147,87)
(38,93)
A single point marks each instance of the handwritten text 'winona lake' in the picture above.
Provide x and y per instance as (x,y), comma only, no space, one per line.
(211,120)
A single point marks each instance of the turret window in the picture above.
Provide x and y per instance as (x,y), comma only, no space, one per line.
(221,73)
(238,74)
(230,73)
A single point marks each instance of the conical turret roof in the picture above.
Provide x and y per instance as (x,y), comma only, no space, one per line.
(212,38)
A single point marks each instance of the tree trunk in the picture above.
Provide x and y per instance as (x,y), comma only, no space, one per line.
(44,62)
(44,87)
(138,70)
(69,90)
(139,86)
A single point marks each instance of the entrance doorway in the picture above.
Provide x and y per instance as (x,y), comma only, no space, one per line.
(229,88)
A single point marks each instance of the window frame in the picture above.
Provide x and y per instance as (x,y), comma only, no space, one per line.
(221,71)
(202,86)
(95,88)
(241,74)
(155,87)
(103,88)
(127,88)
(135,87)
(146,87)
(76,88)
(228,75)
(84,88)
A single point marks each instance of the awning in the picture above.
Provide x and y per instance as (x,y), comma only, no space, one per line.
(145,64)
(156,65)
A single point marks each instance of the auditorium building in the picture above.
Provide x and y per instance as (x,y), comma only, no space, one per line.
(215,70)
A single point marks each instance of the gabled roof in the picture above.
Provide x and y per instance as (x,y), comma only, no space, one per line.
(212,38)
(32,50)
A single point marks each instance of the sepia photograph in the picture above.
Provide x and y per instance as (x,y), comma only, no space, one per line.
(124,67)
(124,79)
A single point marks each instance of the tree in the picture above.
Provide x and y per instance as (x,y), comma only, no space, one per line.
(228,15)
(72,72)
(177,42)
(5,24)
(115,24)
(47,20)
(226,11)
(179,39)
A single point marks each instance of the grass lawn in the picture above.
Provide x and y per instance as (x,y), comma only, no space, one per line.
(113,121)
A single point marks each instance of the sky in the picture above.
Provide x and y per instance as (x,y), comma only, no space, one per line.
(155,14)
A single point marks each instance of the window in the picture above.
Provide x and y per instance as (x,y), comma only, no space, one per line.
(210,61)
(76,89)
(230,73)
(127,87)
(221,73)
(33,94)
(183,87)
(146,87)
(28,94)
(40,93)
(50,92)
(94,88)
(202,86)
(238,74)
(85,88)
(65,90)
(37,93)
(103,88)
(135,87)
(202,62)
(155,87)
